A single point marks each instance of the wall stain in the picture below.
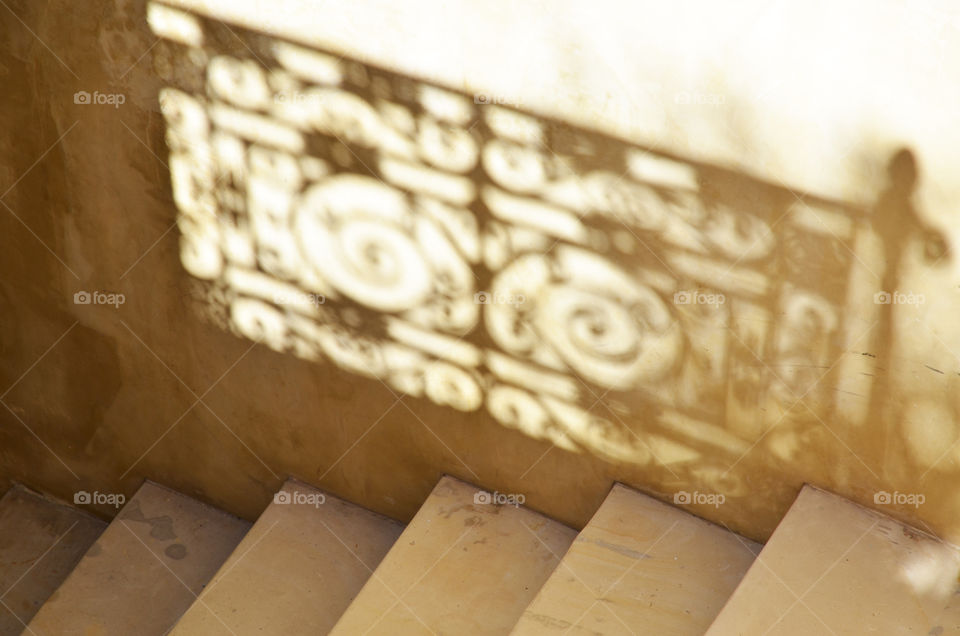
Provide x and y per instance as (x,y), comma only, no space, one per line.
(161,528)
(176,551)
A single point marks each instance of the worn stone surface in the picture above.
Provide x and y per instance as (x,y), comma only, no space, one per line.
(145,570)
(460,567)
(639,562)
(40,543)
(832,566)
(296,571)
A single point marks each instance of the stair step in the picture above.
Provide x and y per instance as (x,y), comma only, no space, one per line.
(40,543)
(833,567)
(145,569)
(640,566)
(460,567)
(296,571)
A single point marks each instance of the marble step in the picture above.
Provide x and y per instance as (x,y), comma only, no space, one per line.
(145,570)
(296,571)
(40,543)
(834,567)
(461,566)
(640,566)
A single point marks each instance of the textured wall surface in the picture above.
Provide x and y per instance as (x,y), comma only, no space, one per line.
(821,177)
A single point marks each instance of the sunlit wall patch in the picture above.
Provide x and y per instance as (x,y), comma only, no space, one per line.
(578,288)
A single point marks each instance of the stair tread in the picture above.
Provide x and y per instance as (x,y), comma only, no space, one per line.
(854,571)
(460,567)
(297,569)
(640,563)
(40,543)
(144,570)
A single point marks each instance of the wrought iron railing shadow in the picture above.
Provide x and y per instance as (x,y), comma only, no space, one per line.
(612,299)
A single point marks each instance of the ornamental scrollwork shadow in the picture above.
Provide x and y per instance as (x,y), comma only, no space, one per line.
(609,298)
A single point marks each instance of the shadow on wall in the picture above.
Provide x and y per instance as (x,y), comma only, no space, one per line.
(645,308)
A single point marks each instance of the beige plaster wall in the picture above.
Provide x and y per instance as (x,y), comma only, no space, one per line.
(816,99)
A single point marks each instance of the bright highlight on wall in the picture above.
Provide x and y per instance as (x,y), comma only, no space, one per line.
(606,297)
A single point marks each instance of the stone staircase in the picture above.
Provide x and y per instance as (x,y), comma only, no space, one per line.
(468,563)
